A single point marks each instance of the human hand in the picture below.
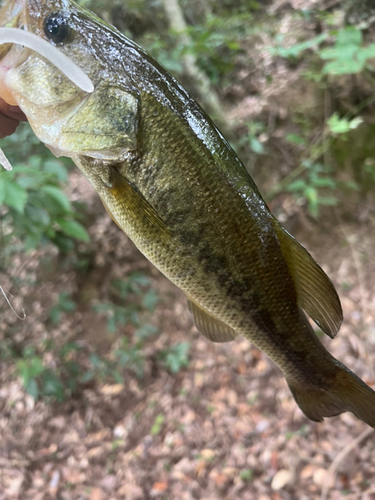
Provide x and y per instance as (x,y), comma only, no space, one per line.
(10,117)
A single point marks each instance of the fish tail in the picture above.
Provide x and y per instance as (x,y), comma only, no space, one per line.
(348,393)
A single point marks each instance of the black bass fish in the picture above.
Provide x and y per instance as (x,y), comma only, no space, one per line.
(173,184)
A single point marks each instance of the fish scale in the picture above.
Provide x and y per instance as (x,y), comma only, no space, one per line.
(233,234)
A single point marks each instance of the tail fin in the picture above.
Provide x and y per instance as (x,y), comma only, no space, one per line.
(348,393)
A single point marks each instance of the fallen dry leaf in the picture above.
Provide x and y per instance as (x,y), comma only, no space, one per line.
(281,479)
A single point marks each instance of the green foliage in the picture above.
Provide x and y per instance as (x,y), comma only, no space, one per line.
(339,125)
(158,424)
(246,475)
(101,370)
(311,186)
(40,381)
(73,366)
(296,50)
(131,356)
(64,305)
(134,295)
(251,138)
(214,42)
(36,210)
(348,56)
(175,357)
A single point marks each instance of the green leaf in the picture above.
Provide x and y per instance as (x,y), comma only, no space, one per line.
(36,367)
(256,146)
(156,428)
(150,300)
(57,169)
(74,229)
(298,185)
(145,332)
(66,303)
(140,279)
(87,376)
(246,475)
(344,67)
(37,215)
(349,36)
(28,182)
(56,193)
(339,125)
(55,315)
(52,385)
(176,357)
(295,50)
(15,196)
(295,139)
(324,182)
(340,53)
(2,191)
(32,388)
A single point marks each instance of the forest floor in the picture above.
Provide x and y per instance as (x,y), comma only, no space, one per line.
(226,425)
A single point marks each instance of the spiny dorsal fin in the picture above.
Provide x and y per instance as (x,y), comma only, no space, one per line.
(315,291)
(212,328)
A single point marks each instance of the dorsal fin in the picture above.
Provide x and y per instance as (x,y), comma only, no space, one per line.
(212,328)
(316,293)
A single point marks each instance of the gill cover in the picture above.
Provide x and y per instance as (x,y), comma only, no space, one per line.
(50,77)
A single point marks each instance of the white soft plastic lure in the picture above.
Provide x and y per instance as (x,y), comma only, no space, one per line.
(53,55)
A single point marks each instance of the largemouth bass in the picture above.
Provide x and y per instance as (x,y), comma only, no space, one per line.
(173,184)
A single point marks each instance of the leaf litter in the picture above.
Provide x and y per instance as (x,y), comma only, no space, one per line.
(223,427)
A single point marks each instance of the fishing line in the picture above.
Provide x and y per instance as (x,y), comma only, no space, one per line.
(10,304)
(52,54)
(4,162)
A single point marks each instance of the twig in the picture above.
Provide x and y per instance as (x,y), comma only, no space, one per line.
(327,113)
(331,473)
(202,83)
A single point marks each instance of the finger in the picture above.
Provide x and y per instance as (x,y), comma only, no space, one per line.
(12,111)
(7,125)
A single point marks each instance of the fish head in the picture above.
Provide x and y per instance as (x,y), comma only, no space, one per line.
(59,69)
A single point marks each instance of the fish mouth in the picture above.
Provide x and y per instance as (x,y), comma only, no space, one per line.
(14,30)
(12,15)
(15,44)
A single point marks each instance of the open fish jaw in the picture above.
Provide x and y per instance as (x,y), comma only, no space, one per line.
(28,77)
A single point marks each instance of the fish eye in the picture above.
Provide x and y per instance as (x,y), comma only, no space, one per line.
(57,28)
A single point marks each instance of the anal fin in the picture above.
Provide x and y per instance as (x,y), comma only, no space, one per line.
(212,328)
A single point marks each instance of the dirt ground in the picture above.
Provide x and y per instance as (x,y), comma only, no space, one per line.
(226,426)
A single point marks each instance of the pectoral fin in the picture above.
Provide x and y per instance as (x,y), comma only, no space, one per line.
(211,327)
(128,201)
(315,291)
